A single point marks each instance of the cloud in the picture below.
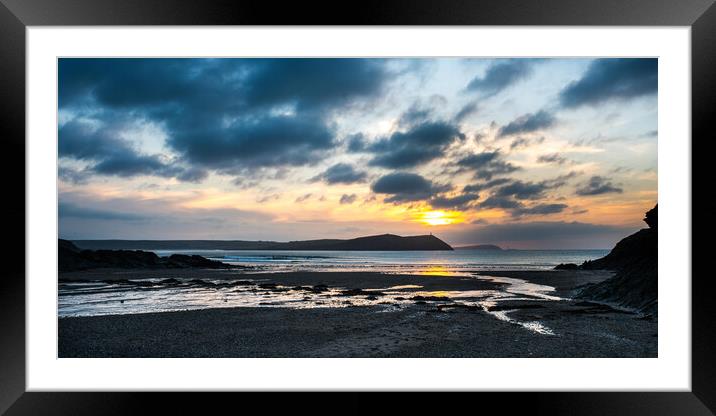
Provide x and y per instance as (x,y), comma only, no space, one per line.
(69,210)
(598,185)
(223,84)
(348,199)
(525,142)
(528,123)
(466,111)
(406,187)
(456,202)
(341,173)
(554,158)
(84,215)
(485,185)
(509,195)
(267,198)
(501,202)
(612,79)
(523,190)
(303,198)
(72,175)
(500,75)
(485,165)
(539,209)
(355,143)
(544,234)
(315,83)
(420,144)
(109,154)
(269,141)
(225,115)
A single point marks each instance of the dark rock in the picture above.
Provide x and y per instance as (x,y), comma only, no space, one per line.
(566,266)
(267,285)
(432,298)
(71,258)
(507,307)
(360,292)
(441,308)
(635,260)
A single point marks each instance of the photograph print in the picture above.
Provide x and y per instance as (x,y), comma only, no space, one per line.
(357,207)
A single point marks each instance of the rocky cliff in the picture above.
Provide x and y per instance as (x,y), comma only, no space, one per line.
(635,260)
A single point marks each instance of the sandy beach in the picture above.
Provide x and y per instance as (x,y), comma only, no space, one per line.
(413,324)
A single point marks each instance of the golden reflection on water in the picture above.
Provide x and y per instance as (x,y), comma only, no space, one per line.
(436,271)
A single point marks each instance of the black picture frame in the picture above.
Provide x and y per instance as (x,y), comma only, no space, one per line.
(16,15)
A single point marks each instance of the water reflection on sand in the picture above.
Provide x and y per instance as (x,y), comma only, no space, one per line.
(164,295)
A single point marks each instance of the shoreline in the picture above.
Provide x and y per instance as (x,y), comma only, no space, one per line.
(415,328)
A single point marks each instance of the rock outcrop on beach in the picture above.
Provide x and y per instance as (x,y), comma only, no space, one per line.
(383,242)
(635,260)
(72,258)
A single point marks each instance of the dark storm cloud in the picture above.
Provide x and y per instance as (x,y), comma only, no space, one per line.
(261,142)
(112,155)
(539,209)
(218,113)
(612,79)
(341,173)
(355,143)
(422,143)
(598,185)
(406,187)
(528,123)
(198,83)
(485,165)
(68,210)
(500,75)
(314,83)
(456,202)
(348,199)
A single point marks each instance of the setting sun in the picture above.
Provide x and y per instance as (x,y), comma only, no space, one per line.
(440,218)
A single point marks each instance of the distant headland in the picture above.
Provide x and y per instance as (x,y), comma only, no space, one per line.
(479,247)
(383,242)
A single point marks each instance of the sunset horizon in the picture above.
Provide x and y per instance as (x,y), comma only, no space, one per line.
(521,153)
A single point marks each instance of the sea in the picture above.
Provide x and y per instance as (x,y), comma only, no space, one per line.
(96,298)
(395,261)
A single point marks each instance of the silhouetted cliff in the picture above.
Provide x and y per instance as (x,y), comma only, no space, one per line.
(635,260)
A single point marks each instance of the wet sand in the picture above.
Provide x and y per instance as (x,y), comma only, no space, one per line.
(415,328)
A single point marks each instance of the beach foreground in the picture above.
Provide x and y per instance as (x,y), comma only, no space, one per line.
(415,326)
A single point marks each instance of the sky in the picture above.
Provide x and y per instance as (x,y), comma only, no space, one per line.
(524,153)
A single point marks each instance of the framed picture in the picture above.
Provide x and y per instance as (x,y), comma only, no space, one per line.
(231,197)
